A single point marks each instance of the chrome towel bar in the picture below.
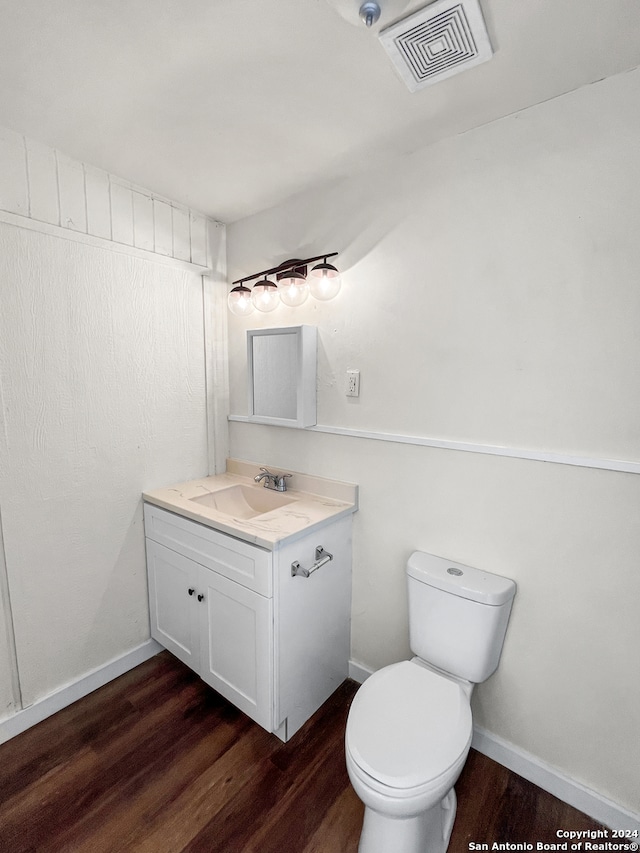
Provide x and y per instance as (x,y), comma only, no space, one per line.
(322,557)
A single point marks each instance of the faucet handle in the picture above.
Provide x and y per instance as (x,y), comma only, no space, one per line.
(281,486)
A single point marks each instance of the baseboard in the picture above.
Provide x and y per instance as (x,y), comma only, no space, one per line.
(552,780)
(39,711)
(359,672)
(538,772)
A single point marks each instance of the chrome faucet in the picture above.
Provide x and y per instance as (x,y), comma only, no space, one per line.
(277,482)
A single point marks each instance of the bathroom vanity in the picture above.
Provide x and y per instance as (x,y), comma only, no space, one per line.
(251,588)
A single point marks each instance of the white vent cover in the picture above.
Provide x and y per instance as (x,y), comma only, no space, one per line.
(437,42)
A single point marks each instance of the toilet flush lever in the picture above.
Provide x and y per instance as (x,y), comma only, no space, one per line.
(322,557)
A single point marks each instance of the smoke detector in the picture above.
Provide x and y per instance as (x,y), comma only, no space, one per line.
(437,42)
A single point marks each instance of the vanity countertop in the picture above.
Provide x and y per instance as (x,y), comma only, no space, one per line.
(314,501)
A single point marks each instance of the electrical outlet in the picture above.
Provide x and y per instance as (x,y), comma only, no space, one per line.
(353,383)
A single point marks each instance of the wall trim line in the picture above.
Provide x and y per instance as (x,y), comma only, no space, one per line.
(538,772)
(27,717)
(618,465)
(97,242)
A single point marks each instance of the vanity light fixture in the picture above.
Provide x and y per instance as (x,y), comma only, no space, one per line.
(294,289)
(291,286)
(265,295)
(324,281)
(239,301)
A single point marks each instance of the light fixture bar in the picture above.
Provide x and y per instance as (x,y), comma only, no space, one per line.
(290,264)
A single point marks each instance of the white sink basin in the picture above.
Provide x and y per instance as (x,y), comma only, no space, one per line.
(243,501)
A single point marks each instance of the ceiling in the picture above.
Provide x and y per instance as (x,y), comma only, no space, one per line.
(231,106)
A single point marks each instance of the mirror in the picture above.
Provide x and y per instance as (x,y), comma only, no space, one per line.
(282,375)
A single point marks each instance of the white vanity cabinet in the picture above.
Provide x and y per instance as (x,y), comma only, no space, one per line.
(274,644)
(216,626)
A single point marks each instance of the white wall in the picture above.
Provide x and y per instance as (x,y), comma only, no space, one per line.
(43,184)
(104,395)
(104,392)
(490,296)
(9,691)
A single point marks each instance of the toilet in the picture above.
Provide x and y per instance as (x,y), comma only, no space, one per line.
(409,727)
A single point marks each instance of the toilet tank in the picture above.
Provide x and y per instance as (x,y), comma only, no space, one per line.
(457,615)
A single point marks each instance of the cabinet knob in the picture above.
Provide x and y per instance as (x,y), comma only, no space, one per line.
(200,597)
(191,591)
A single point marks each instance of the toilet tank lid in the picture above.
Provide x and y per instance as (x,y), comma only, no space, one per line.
(460,580)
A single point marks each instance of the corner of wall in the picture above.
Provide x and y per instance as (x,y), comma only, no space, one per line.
(216,348)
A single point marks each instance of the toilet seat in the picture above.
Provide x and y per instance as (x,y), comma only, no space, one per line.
(408,726)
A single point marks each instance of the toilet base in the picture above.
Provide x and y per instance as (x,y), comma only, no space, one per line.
(428,832)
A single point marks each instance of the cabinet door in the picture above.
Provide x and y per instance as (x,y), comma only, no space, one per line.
(237,645)
(173,602)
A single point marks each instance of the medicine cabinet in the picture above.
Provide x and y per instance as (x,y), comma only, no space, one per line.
(282,375)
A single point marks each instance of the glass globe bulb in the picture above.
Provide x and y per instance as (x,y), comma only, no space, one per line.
(265,295)
(324,281)
(294,289)
(239,301)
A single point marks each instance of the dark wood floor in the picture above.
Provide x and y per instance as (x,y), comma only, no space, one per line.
(158,762)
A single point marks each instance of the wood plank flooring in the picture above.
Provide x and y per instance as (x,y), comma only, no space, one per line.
(156,762)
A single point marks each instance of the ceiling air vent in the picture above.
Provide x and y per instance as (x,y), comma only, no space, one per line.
(437,42)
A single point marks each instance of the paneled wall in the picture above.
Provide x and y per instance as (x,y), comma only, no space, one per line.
(490,297)
(45,185)
(9,692)
(104,391)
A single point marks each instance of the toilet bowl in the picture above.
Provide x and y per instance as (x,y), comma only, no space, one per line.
(407,739)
